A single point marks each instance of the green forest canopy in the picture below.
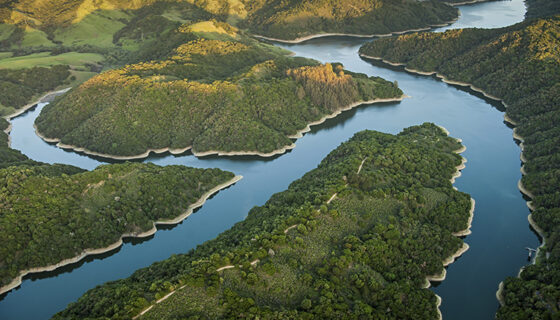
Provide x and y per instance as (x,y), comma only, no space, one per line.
(521,65)
(219,91)
(20,86)
(366,253)
(49,213)
(88,36)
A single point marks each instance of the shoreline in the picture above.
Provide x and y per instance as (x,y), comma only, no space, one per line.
(7,132)
(449,260)
(467,231)
(354,35)
(526,192)
(509,120)
(446,262)
(515,135)
(466,2)
(43,98)
(540,232)
(276,152)
(499,293)
(460,167)
(438,304)
(299,134)
(22,110)
(440,76)
(87,252)
(108,156)
(244,153)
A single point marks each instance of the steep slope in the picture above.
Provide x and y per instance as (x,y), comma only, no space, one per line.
(521,65)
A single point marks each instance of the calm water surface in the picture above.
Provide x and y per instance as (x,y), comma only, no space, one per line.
(500,228)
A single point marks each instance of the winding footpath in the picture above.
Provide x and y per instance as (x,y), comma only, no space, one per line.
(438,277)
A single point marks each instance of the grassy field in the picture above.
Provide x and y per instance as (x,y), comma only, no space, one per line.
(44,59)
(96,29)
(35,38)
(6,30)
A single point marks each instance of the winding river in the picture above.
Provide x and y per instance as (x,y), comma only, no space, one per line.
(500,228)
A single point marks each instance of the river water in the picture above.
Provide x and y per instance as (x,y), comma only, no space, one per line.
(500,228)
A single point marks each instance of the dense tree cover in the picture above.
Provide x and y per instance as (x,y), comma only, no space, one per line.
(19,86)
(364,254)
(521,65)
(229,93)
(542,8)
(295,18)
(49,213)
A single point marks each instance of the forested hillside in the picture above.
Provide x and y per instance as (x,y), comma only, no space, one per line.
(293,19)
(55,22)
(52,213)
(86,36)
(354,238)
(219,92)
(20,86)
(521,65)
(542,8)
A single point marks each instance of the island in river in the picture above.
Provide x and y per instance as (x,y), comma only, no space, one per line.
(519,65)
(357,236)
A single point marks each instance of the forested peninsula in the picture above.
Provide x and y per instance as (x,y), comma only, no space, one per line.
(54,215)
(357,237)
(221,92)
(519,65)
